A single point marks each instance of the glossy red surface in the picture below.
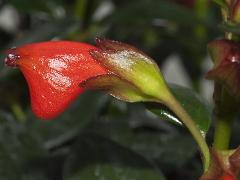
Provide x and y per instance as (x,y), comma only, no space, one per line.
(228,177)
(53,71)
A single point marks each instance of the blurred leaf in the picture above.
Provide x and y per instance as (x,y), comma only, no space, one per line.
(221,3)
(96,158)
(71,122)
(26,155)
(47,167)
(39,5)
(47,31)
(148,136)
(17,148)
(149,10)
(194,104)
(233,28)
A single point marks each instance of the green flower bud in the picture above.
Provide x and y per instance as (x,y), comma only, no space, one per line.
(133,75)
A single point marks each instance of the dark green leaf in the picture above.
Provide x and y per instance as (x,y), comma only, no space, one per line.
(17,148)
(233,28)
(71,122)
(40,5)
(95,157)
(151,9)
(195,105)
(47,31)
(154,139)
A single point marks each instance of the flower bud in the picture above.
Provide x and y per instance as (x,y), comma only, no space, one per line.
(134,76)
(226,57)
(53,71)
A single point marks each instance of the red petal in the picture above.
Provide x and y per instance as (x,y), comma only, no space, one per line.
(53,71)
(228,177)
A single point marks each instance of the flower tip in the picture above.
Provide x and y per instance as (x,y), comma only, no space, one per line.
(12,57)
(102,43)
(110,45)
(97,54)
(98,40)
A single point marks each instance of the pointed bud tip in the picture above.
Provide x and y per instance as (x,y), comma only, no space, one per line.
(12,57)
(102,43)
(98,40)
(111,45)
(98,55)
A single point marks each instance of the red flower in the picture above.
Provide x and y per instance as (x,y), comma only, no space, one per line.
(134,76)
(228,177)
(225,165)
(57,72)
(53,71)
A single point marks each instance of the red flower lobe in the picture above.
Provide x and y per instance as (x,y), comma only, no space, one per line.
(53,71)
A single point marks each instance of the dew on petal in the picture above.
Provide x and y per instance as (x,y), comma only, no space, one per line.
(57,64)
(121,58)
(58,81)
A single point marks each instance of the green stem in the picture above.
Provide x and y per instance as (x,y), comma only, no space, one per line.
(224,106)
(80,8)
(222,133)
(201,10)
(224,112)
(177,108)
(19,113)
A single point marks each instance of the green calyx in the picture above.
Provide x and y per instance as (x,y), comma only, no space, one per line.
(132,67)
(117,87)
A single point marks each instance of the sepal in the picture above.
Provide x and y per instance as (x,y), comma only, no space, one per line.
(226,57)
(225,165)
(132,65)
(115,86)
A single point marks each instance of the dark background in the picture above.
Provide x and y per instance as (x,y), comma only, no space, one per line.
(98,137)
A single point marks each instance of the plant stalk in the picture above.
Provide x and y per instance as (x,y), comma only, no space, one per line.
(177,108)
(223,133)
(19,113)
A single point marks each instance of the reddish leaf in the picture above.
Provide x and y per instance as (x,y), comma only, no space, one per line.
(226,58)
(235,11)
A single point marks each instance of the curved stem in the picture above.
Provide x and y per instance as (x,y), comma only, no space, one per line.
(177,108)
(201,10)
